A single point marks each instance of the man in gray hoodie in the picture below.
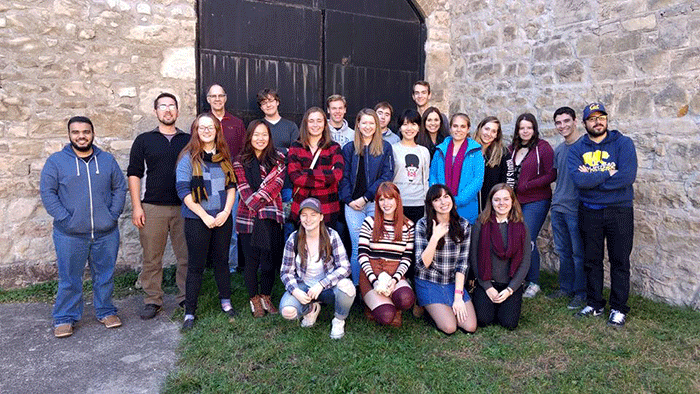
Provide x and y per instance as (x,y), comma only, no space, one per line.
(84,189)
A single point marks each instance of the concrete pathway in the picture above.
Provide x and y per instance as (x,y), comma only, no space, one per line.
(134,358)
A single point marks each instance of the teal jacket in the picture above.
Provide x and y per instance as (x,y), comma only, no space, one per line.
(470,180)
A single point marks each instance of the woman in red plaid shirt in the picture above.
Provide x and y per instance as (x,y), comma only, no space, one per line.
(316,167)
(259,171)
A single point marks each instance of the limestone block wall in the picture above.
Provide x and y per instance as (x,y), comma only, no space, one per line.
(639,57)
(104,59)
(108,59)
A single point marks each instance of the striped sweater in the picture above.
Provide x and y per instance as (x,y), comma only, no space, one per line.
(385,248)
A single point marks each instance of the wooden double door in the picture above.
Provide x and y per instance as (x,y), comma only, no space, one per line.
(367,50)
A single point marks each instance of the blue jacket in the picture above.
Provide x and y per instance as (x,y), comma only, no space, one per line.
(597,187)
(378,169)
(470,180)
(83,198)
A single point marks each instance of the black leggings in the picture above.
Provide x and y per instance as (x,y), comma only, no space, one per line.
(507,313)
(203,241)
(267,261)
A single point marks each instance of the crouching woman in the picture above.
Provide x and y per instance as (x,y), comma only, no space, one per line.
(385,253)
(315,270)
(500,258)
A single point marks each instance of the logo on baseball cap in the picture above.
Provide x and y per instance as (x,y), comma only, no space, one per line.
(593,107)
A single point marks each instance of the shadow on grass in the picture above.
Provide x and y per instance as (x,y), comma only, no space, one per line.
(550,352)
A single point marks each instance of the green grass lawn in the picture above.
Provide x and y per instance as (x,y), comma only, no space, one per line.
(550,352)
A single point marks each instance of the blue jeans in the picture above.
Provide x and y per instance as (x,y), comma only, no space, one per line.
(534,214)
(333,296)
(569,247)
(72,252)
(233,248)
(354,221)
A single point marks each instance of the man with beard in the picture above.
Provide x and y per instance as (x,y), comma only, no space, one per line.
(603,166)
(83,188)
(155,152)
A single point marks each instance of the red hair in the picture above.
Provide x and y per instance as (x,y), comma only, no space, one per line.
(388,190)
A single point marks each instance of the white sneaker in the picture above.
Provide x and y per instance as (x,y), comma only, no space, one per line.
(531,290)
(337,328)
(617,319)
(309,319)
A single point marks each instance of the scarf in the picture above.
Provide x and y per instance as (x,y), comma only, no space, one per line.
(453,171)
(491,239)
(262,235)
(199,192)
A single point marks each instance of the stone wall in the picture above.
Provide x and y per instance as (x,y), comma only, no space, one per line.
(104,59)
(109,59)
(639,57)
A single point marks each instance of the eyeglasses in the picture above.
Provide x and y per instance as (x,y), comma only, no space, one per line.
(164,107)
(206,128)
(599,118)
(216,96)
(266,102)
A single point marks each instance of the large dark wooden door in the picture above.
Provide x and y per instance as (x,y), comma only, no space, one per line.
(366,50)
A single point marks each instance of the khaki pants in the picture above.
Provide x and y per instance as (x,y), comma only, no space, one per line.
(161,220)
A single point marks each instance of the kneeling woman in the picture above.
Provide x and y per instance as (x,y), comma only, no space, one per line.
(442,249)
(385,253)
(205,183)
(315,269)
(500,258)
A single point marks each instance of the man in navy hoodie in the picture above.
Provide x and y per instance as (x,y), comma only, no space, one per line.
(603,166)
(83,188)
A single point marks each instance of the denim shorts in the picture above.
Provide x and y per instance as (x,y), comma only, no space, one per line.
(432,293)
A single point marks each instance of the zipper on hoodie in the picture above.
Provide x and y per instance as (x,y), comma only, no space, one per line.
(92,216)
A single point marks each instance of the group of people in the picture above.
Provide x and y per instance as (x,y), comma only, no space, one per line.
(435,220)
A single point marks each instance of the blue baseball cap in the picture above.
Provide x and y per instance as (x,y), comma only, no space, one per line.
(593,107)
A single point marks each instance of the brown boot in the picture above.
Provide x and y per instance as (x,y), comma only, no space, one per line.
(368,314)
(268,305)
(398,320)
(256,306)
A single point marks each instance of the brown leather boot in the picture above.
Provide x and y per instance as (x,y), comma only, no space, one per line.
(256,306)
(398,320)
(268,305)
(368,314)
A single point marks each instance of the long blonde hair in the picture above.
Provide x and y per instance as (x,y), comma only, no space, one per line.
(494,151)
(376,146)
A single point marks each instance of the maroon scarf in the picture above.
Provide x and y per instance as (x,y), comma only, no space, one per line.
(453,171)
(491,239)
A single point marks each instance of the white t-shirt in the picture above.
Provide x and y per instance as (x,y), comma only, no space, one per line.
(411,173)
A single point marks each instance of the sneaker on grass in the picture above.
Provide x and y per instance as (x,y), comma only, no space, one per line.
(616,319)
(310,318)
(337,328)
(531,290)
(589,311)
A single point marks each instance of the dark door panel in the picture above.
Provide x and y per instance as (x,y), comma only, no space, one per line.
(242,77)
(401,10)
(367,50)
